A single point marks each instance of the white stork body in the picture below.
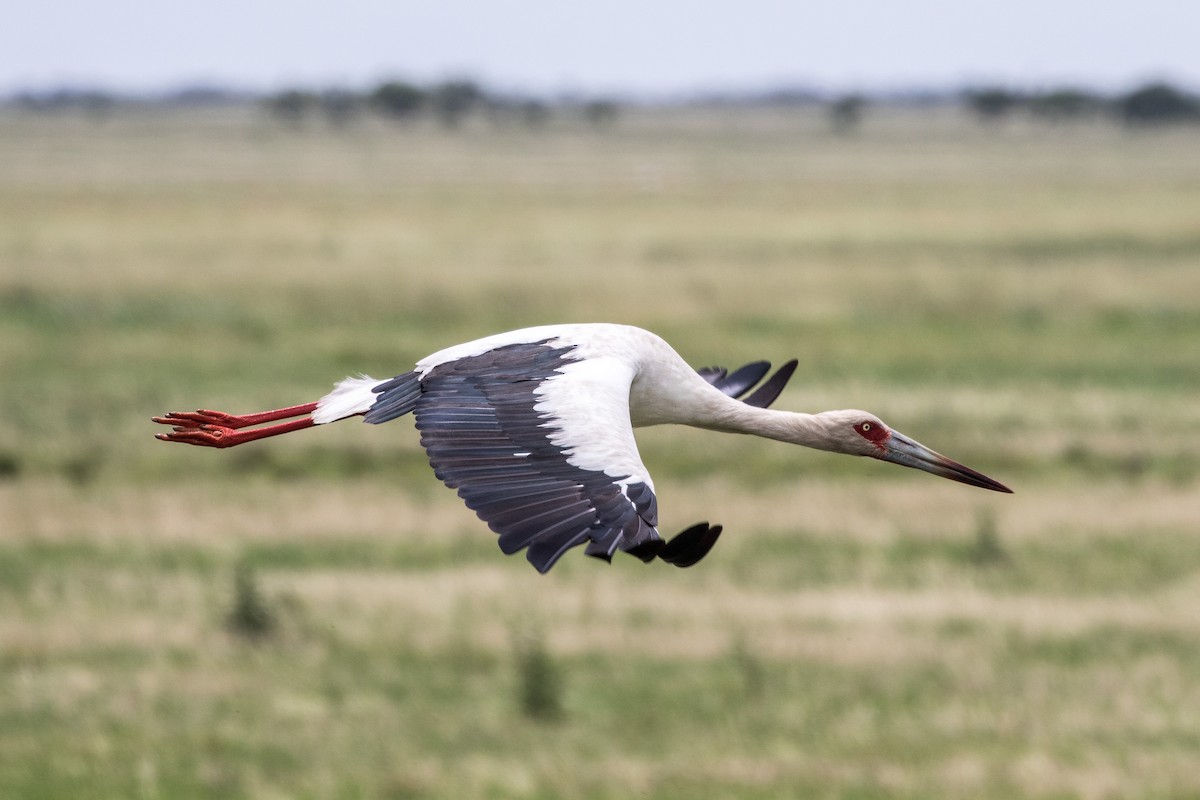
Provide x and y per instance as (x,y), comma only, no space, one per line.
(620,378)
(590,398)
(534,428)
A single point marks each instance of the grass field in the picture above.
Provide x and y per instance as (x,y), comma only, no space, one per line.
(1025,299)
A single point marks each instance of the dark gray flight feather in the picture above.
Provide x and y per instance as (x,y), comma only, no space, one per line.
(744,378)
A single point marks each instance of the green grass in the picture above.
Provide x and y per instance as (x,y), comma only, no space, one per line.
(1024,300)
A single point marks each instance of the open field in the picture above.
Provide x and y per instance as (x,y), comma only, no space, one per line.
(1024,299)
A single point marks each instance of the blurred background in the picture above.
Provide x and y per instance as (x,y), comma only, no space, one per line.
(980,222)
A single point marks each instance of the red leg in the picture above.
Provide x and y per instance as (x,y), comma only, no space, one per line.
(218,429)
(206,435)
(196,419)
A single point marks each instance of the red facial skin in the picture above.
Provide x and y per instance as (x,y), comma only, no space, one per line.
(874,433)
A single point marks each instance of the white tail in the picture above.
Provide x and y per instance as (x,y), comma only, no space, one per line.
(349,397)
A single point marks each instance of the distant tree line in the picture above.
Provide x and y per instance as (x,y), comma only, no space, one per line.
(1151,104)
(449,103)
(90,101)
(101,102)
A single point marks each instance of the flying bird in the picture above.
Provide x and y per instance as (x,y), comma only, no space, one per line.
(534,429)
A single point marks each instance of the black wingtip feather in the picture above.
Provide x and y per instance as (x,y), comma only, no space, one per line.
(770,391)
(743,378)
(691,545)
(647,550)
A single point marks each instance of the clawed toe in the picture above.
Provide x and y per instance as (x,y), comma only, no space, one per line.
(197,419)
(203,435)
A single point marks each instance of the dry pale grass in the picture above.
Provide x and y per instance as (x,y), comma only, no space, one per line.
(226,516)
(587,605)
(153,206)
(677,619)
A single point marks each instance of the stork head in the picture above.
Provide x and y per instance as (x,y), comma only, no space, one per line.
(861,433)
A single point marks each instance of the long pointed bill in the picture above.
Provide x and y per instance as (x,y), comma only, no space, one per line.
(907,452)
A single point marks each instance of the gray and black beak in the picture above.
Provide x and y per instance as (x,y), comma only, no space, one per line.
(899,449)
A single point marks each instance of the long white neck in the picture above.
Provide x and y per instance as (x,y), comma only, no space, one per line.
(670,392)
(783,426)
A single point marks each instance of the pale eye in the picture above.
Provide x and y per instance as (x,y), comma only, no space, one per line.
(866,426)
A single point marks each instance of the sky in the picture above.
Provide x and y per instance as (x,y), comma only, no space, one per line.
(649,47)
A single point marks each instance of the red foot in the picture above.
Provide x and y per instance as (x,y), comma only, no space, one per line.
(218,429)
(203,435)
(196,419)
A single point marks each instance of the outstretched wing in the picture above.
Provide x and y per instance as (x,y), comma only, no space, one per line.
(744,378)
(539,444)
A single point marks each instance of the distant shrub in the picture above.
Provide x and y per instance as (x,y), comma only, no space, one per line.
(846,113)
(1158,103)
(750,669)
(599,113)
(453,100)
(83,468)
(991,104)
(987,549)
(1061,105)
(250,615)
(540,681)
(534,113)
(10,465)
(291,106)
(340,106)
(398,99)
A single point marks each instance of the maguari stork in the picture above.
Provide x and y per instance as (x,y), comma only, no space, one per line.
(534,429)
